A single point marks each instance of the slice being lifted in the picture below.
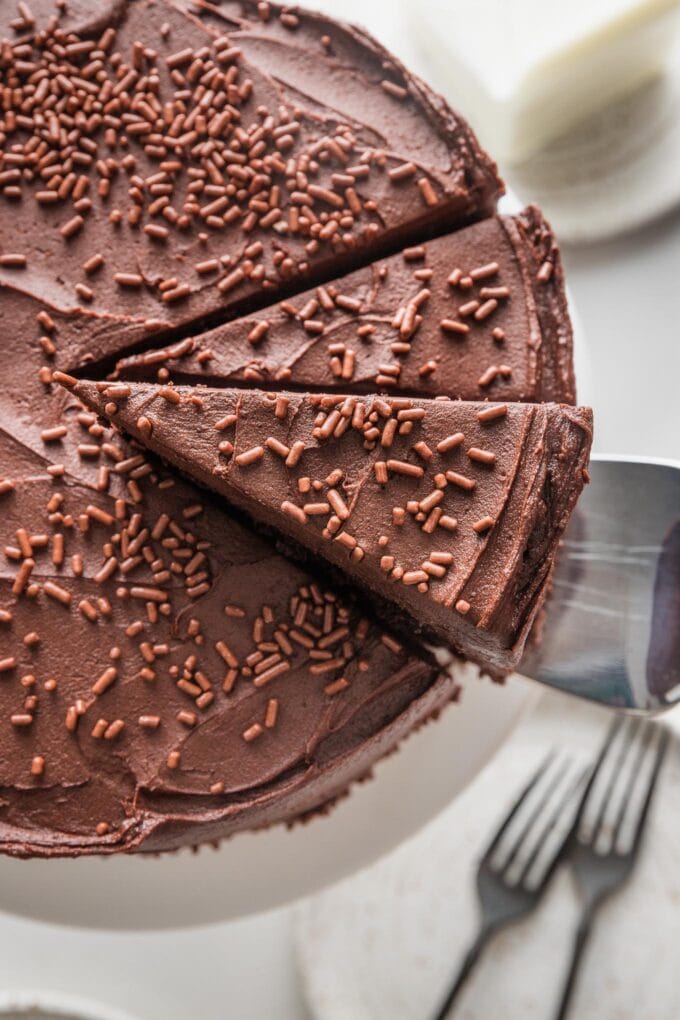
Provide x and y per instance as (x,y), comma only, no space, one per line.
(475,314)
(447,513)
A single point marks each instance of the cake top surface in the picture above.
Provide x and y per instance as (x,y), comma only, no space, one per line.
(479,313)
(161,169)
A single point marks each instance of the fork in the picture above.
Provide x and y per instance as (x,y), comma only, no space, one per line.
(516,869)
(603,846)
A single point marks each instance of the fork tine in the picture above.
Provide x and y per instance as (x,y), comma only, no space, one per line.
(512,814)
(570,801)
(626,795)
(660,752)
(625,761)
(537,811)
(614,727)
(598,807)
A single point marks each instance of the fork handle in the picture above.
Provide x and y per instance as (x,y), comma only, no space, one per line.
(471,957)
(579,944)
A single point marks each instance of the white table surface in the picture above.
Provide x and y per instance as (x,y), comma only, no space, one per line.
(627,295)
(384,945)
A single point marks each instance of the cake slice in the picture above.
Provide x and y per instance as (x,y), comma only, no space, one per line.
(475,314)
(447,514)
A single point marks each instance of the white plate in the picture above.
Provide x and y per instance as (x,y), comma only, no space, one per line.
(614,172)
(383,945)
(258,871)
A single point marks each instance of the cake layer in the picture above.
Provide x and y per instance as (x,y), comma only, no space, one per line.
(448,513)
(160,170)
(474,314)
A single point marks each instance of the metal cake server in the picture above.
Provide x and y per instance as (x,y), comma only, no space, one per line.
(612,632)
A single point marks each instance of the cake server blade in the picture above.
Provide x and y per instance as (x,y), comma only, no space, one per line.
(612,630)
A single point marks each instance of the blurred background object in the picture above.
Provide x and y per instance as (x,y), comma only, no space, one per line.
(579,102)
(54,1006)
(525,72)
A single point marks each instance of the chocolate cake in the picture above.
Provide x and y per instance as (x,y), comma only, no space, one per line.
(167,676)
(447,512)
(475,314)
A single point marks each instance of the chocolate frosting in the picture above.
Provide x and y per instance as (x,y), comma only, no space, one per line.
(477,314)
(200,170)
(448,512)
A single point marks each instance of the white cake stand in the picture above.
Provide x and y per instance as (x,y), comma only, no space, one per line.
(257,871)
